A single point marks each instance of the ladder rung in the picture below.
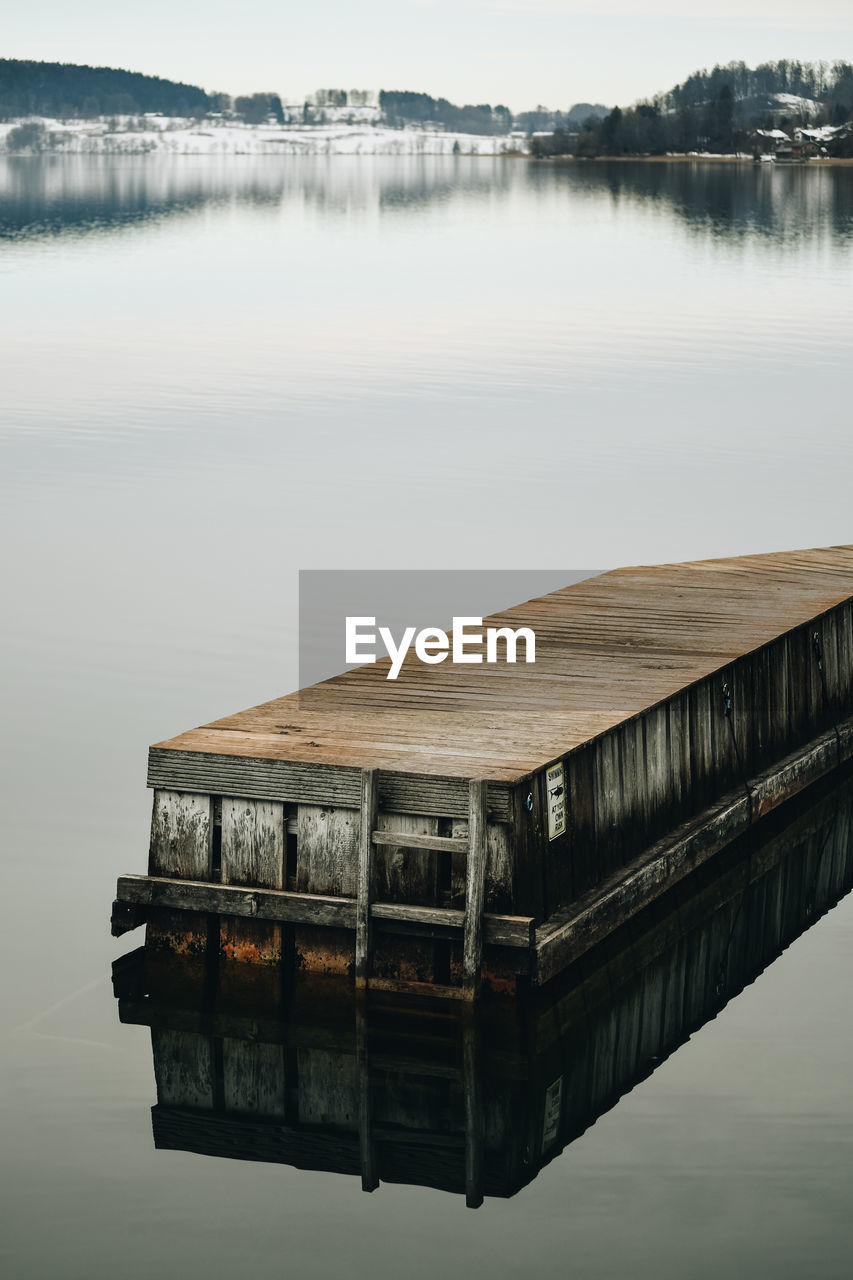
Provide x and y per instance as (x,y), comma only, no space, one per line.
(402,840)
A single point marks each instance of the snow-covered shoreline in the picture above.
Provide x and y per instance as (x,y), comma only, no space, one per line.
(164,135)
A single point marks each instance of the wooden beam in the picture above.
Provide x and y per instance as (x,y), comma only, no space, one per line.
(475,881)
(498,931)
(299,908)
(402,987)
(212,771)
(363,940)
(473,1115)
(442,844)
(367,1146)
(234,900)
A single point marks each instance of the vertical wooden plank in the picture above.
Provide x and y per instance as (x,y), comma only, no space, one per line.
(845,661)
(326,862)
(679,758)
(363,940)
(499,865)
(778,697)
(633,808)
(253,1078)
(253,842)
(327,850)
(252,853)
(369,1175)
(799,649)
(181,835)
(458,862)
(657,769)
(472,943)
(763,702)
(327,1087)
(473,1116)
(637,731)
(403,874)
(579,789)
(498,893)
(606,800)
(742,684)
(700,744)
(832,666)
(183,1069)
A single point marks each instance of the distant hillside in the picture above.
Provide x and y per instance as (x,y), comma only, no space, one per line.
(62,91)
(721,112)
(583,111)
(401,107)
(770,86)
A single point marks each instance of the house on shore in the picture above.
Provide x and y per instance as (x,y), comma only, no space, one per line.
(801,144)
(773,143)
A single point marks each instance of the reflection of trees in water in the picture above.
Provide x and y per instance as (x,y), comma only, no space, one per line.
(49,195)
(731,201)
(52,194)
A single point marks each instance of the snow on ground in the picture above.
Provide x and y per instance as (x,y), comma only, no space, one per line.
(171,136)
(791,101)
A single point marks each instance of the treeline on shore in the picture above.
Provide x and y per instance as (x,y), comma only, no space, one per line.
(711,111)
(400,107)
(717,112)
(65,91)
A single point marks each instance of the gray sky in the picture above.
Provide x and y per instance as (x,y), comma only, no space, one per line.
(519,52)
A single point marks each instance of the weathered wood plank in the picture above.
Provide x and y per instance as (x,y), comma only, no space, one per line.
(328,1088)
(253,842)
(183,1069)
(474,1123)
(393,837)
(307,908)
(366,877)
(327,850)
(367,1144)
(252,854)
(218,773)
(472,943)
(407,872)
(260,904)
(503,931)
(404,987)
(253,1078)
(181,835)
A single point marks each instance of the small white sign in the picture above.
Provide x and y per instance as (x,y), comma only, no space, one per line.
(555,785)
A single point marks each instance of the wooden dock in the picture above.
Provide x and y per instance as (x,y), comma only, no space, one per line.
(399,831)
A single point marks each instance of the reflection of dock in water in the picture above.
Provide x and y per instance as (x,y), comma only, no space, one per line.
(275,1065)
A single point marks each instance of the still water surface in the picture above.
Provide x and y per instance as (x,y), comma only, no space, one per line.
(215,373)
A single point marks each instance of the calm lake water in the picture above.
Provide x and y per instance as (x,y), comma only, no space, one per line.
(218,372)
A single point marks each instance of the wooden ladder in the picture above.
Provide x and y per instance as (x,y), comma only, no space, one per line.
(475,877)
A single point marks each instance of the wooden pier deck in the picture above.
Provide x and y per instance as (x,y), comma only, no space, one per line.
(679,703)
